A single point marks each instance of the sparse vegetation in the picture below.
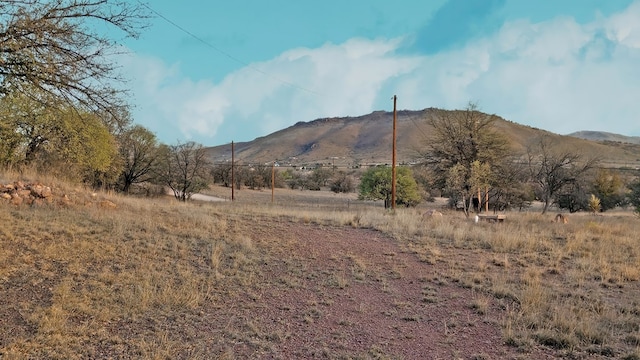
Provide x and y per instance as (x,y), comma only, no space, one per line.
(375,184)
(184,168)
(342,183)
(634,195)
(150,277)
(553,168)
(97,275)
(594,204)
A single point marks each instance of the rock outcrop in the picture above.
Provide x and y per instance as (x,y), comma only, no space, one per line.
(19,193)
(34,194)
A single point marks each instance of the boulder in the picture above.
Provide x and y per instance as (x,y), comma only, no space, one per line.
(16,199)
(24,193)
(40,191)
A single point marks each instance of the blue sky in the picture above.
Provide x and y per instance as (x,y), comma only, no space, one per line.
(242,69)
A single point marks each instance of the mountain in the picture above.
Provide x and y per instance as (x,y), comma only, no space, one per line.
(367,139)
(606,136)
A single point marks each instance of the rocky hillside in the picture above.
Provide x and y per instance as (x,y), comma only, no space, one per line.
(367,139)
(35,194)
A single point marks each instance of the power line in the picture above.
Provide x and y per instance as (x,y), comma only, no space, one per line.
(234,58)
(419,128)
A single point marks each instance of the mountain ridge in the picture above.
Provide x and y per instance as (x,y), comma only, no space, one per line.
(605,136)
(367,139)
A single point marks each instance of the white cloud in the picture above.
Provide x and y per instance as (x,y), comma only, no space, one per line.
(558,75)
(299,85)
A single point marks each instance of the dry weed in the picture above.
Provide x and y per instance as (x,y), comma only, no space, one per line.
(566,286)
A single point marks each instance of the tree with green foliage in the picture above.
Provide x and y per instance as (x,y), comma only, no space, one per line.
(320,176)
(139,153)
(9,142)
(259,176)
(609,188)
(57,140)
(96,153)
(60,98)
(294,179)
(184,168)
(375,184)
(456,186)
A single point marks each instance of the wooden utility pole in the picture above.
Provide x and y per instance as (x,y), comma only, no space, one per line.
(393,157)
(273,180)
(233,182)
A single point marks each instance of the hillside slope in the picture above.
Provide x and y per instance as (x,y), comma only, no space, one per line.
(605,136)
(367,139)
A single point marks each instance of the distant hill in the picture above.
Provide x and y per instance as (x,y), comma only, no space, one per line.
(367,139)
(605,136)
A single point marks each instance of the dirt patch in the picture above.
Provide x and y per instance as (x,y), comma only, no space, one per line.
(345,292)
(301,291)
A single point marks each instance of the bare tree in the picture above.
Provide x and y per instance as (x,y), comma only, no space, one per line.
(184,168)
(511,189)
(459,139)
(53,46)
(552,168)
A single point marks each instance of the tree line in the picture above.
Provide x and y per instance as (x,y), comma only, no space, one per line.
(467,159)
(62,107)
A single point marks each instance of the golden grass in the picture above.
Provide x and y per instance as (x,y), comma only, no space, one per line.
(566,286)
(105,265)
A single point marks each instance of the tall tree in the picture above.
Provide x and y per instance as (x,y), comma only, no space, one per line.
(553,168)
(139,153)
(511,189)
(184,168)
(59,140)
(54,47)
(458,140)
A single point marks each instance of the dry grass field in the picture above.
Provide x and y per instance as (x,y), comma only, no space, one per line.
(313,275)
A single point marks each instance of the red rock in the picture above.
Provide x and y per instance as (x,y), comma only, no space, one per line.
(16,200)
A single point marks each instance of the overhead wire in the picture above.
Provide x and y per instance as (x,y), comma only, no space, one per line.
(238,60)
(225,53)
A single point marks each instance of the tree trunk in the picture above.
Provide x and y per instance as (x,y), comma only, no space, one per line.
(465,206)
(547,201)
